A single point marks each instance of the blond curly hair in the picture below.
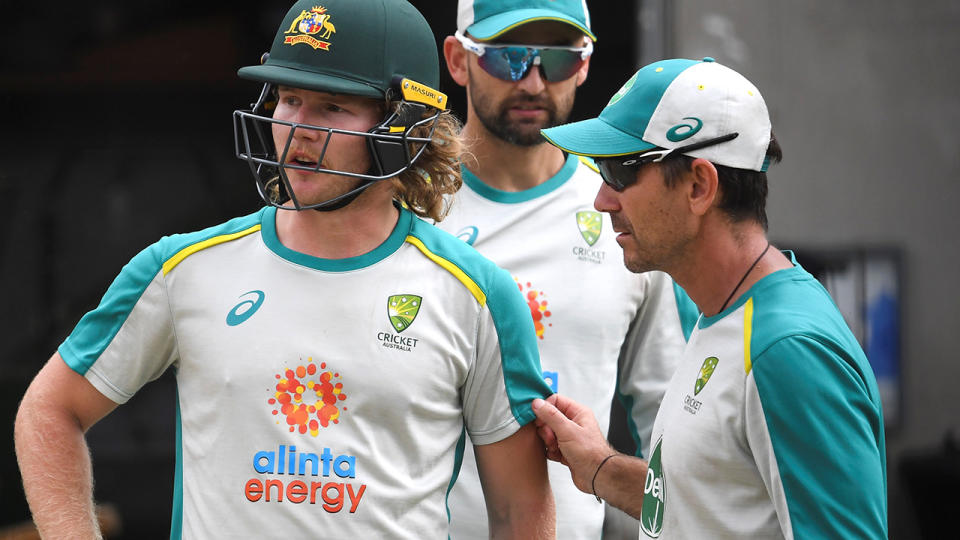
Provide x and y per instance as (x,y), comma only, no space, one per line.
(424,186)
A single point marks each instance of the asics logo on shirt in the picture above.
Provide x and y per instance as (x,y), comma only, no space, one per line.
(245,309)
(468,234)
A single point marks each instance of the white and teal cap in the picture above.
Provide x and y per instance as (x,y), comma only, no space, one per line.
(487,19)
(675,103)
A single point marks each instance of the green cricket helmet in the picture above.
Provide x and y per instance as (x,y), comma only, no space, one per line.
(372,48)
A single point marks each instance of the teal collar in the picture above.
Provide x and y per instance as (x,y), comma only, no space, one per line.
(514,197)
(393,242)
(767,281)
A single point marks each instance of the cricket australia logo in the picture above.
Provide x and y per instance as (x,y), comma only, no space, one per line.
(706,371)
(690,403)
(590,225)
(310,23)
(402,309)
(654,495)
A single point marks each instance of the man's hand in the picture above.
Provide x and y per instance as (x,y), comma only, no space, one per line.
(572,436)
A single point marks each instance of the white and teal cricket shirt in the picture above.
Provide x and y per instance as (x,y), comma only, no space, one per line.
(317,397)
(588,310)
(771,427)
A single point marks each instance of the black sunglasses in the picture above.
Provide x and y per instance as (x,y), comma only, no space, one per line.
(620,172)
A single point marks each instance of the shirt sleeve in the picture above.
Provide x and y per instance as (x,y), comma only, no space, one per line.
(506,376)
(816,434)
(650,354)
(128,339)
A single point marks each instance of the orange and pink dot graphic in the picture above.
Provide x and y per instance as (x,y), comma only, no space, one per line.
(308,397)
(538,307)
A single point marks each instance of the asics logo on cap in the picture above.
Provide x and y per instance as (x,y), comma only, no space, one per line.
(682,132)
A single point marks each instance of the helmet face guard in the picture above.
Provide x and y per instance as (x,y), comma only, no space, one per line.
(392,148)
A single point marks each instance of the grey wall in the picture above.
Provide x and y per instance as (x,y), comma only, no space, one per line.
(864,99)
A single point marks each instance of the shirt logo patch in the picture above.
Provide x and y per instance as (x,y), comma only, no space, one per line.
(654,496)
(590,224)
(244,310)
(402,309)
(307,398)
(308,24)
(706,371)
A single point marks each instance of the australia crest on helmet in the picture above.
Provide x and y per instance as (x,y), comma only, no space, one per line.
(311,27)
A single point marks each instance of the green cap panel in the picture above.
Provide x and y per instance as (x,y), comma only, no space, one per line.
(350,47)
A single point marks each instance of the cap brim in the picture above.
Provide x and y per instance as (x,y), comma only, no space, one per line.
(594,138)
(319,82)
(491,27)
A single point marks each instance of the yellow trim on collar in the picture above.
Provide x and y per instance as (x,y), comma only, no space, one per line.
(172,262)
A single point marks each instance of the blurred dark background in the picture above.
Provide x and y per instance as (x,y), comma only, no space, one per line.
(116,130)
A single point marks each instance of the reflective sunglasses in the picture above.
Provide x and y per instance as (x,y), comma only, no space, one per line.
(510,62)
(620,172)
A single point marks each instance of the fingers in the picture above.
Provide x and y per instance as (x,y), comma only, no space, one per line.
(549,417)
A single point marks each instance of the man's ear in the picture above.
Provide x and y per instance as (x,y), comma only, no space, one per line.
(456,57)
(582,72)
(704,186)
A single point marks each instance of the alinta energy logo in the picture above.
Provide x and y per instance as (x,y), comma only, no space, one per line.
(691,404)
(654,495)
(308,397)
(402,310)
(310,23)
(590,225)
(537,305)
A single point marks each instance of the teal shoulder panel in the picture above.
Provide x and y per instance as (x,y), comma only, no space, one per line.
(515,197)
(519,355)
(687,310)
(822,410)
(97,328)
(829,449)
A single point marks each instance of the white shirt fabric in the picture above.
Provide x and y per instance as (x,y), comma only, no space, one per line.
(316,397)
(589,310)
(771,427)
